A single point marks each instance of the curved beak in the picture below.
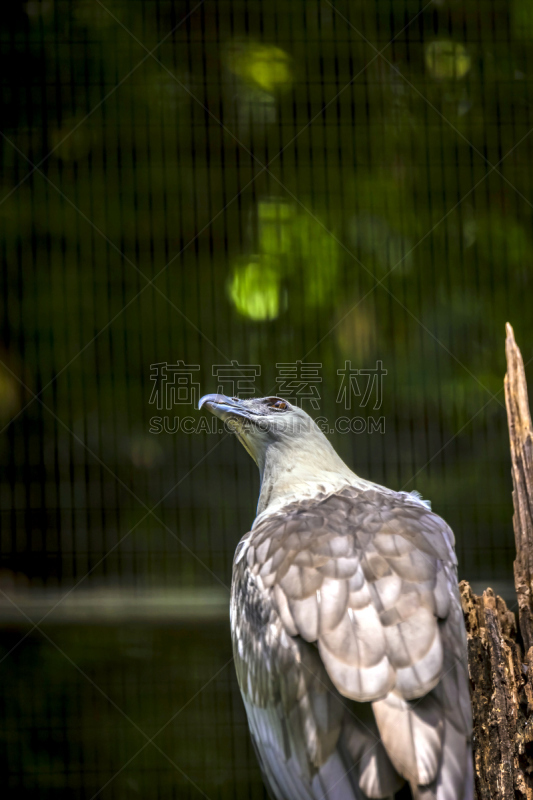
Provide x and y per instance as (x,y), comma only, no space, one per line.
(224,407)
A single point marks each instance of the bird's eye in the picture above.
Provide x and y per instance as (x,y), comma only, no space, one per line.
(279,405)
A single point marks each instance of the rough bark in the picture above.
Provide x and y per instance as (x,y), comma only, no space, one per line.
(502,699)
(521,439)
(500,657)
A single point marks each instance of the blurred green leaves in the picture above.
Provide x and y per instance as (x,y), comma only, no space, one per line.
(522,17)
(255,289)
(296,253)
(263,66)
(504,240)
(445,59)
(384,248)
(163,189)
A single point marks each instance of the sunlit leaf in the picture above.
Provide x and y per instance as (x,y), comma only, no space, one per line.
(304,245)
(445,59)
(265,66)
(255,289)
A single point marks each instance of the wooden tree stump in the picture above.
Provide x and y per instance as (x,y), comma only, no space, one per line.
(502,699)
(500,657)
(520,434)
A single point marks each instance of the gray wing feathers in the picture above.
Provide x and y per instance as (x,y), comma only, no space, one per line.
(412,737)
(365,577)
(296,723)
(365,751)
(355,594)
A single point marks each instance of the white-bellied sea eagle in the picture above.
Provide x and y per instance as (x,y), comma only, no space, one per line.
(347,629)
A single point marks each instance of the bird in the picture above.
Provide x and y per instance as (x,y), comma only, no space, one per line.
(348,636)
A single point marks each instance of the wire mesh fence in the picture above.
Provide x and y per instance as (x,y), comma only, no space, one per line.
(150,740)
(253,182)
(277,198)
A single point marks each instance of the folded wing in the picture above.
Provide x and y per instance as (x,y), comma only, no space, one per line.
(367,581)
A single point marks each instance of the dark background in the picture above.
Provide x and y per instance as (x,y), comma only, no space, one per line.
(247,181)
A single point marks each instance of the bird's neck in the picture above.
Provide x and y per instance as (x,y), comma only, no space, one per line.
(290,473)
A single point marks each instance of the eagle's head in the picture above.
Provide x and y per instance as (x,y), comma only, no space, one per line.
(261,423)
(285,442)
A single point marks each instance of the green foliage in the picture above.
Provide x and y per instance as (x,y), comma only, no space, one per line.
(522,19)
(255,289)
(446,59)
(346,208)
(265,66)
(65,736)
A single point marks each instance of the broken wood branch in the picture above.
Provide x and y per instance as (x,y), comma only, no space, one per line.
(500,657)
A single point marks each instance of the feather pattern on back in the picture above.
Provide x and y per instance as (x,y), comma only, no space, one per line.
(350,648)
